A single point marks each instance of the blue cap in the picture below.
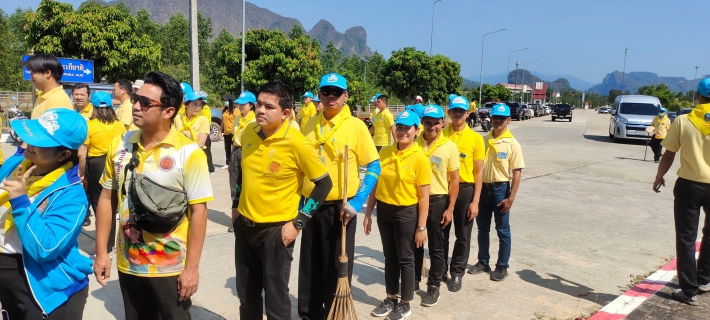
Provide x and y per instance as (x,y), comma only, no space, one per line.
(433,111)
(452,96)
(704,87)
(664,109)
(308,94)
(375,97)
(245,98)
(101,99)
(186,87)
(417,108)
(500,110)
(193,96)
(316,99)
(54,128)
(334,80)
(459,102)
(408,119)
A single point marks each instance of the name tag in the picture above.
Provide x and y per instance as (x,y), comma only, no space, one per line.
(435,160)
(502,155)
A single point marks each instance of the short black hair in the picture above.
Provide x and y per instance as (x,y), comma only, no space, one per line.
(80,86)
(42,62)
(125,85)
(171,97)
(281,90)
(383,97)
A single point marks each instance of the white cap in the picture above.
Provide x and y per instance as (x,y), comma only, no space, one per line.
(138,84)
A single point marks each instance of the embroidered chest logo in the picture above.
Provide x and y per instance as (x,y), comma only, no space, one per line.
(166,163)
(274,167)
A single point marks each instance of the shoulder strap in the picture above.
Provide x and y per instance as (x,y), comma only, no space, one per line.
(131,166)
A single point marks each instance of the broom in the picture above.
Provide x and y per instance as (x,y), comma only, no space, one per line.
(343,306)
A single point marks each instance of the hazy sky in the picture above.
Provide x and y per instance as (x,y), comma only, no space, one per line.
(581,38)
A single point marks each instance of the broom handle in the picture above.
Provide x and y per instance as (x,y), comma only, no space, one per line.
(345,201)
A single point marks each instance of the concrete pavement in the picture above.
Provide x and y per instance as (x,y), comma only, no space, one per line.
(585,220)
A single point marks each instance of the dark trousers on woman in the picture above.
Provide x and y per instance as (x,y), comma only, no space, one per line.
(228,146)
(263,263)
(94,169)
(208,153)
(397,225)
(318,264)
(435,240)
(235,165)
(656,148)
(16,297)
(690,196)
(463,227)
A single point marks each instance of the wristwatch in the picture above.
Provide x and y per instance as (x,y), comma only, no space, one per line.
(300,221)
(421,228)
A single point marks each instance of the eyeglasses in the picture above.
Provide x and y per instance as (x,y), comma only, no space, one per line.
(145,102)
(335,91)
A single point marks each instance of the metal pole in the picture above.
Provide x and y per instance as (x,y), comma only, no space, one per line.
(194,49)
(516,76)
(244,33)
(431,45)
(533,90)
(695,83)
(364,75)
(480,77)
(523,86)
(507,81)
(623,75)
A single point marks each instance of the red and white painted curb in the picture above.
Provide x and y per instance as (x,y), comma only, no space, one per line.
(630,300)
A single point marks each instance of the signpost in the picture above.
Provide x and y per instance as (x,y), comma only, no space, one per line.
(75,70)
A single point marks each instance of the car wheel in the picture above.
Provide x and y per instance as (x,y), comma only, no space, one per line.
(616,140)
(570,119)
(215,131)
(553,119)
(519,117)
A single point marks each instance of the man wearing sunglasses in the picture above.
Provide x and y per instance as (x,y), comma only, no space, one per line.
(330,132)
(157,272)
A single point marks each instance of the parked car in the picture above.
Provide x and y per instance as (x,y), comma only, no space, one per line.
(562,111)
(515,111)
(684,111)
(603,110)
(93,87)
(631,115)
(537,110)
(548,110)
(527,112)
(672,115)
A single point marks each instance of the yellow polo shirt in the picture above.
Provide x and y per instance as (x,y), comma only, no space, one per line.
(498,166)
(55,98)
(352,132)
(383,122)
(471,149)
(694,149)
(400,187)
(228,120)
(100,136)
(307,112)
(176,162)
(240,124)
(444,159)
(125,113)
(661,127)
(192,128)
(87,112)
(273,170)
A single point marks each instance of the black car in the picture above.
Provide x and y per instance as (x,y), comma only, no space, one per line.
(516,112)
(562,111)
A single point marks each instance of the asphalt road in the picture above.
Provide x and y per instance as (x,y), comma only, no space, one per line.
(584,223)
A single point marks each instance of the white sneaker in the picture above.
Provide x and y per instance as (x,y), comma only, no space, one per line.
(224,168)
(704,287)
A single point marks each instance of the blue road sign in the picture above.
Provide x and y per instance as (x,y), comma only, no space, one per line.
(75,70)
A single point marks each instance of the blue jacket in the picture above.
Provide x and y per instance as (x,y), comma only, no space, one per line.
(49,228)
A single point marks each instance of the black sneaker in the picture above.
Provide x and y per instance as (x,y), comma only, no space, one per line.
(479,267)
(230,229)
(416,286)
(400,311)
(500,274)
(87,222)
(431,297)
(680,295)
(385,307)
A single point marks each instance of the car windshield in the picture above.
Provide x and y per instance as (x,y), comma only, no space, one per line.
(644,109)
(684,111)
(562,107)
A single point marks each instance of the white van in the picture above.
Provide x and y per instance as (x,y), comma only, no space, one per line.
(631,115)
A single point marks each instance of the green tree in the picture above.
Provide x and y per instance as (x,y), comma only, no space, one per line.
(11,50)
(410,72)
(223,79)
(175,41)
(332,58)
(661,91)
(490,93)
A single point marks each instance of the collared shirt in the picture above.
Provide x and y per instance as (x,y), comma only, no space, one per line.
(307,112)
(444,160)
(125,113)
(497,167)
(401,188)
(241,123)
(383,122)
(471,150)
(100,136)
(55,98)
(228,120)
(353,133)
(661,127)
(694,149)
(87,112)
(176,162)
(192,128)
(273,170)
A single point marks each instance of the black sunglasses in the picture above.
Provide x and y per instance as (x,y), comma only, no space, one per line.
(335,91)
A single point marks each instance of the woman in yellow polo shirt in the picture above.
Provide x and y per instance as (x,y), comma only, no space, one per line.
(246,104)
(229,113)
(104,127)
(402,197)
(192,124)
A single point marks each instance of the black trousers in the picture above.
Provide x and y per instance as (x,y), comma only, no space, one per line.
(397,225)
(228,146)
(235,167)
(318,265)
(152,298)
(435,239)
(656,148)
(690,196)
(16,296)
(208,153)
(462,229)
(94,170)
(263,263)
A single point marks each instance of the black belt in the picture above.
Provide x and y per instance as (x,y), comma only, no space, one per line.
(494,184)
(261,225)
(438,196)
(464,185)
(237,147)
(334,202)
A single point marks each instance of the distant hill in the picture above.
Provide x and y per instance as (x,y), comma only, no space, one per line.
(470,84)
(227,14)
(524,76)
(634,80)
(572,81)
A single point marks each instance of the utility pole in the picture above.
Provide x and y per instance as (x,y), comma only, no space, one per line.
(695,83)
(194,48)
(507,81)
(244,33)
(480,78)
(623,75)
(431,45)
(516,76)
